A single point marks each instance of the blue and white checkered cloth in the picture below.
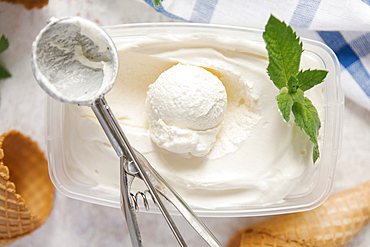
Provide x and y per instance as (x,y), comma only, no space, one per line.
(342,25)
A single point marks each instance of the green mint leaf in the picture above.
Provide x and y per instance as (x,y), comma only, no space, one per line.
(156,2)
(284,51)
(307,118)
(4,73)
(4,43)
(309,78)
(286,100)
(316,153)
(298,96)
(292,84)
(285,103)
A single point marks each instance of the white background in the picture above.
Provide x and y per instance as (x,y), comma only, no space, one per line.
(76,223)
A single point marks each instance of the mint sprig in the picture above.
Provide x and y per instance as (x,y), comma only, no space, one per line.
(156,2)
(4,44)
(284,51)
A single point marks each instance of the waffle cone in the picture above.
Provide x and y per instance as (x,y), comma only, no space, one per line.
(334,223)
(29,4)
(26,192)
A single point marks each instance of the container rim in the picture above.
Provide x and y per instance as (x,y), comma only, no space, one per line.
(54,136)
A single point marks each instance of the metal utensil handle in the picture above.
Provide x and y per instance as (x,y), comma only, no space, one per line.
(127,207)
(175,199)
(124,149)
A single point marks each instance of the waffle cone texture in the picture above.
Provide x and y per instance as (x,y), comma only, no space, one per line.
(333,224)
(26,192)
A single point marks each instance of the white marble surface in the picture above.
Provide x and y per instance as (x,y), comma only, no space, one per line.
(76,223)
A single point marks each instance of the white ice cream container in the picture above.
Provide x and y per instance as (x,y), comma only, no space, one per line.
(62,174)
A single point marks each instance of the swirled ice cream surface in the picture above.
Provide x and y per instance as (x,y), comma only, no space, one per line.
(257,158)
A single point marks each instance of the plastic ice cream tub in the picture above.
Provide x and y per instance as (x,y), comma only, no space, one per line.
(62,173)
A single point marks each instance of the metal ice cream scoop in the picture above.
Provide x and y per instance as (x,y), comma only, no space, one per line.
(76,62)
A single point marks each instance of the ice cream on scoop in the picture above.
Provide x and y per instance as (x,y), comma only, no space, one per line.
(186,107)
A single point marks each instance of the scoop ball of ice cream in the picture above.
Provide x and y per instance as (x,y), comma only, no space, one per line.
(186,106)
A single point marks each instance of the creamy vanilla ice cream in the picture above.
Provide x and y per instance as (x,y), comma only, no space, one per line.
(186,106)
(69,50)
(256,158)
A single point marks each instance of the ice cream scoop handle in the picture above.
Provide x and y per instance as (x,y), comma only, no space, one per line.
(107,122)
(127,207)
(123,149)
(175,199)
